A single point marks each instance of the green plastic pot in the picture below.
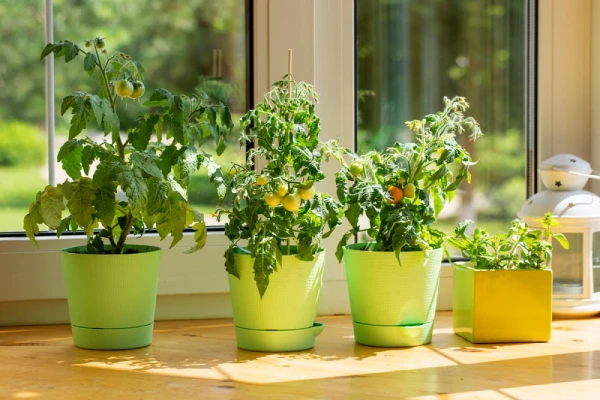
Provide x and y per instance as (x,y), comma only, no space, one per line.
(111,298)
(393,304)
(284,319)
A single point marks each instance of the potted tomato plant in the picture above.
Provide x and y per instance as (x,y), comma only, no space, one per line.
(111,285)
(277,221)
(504,294)
(393,280)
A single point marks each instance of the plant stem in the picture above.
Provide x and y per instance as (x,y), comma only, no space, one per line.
(119,247)
(113,104)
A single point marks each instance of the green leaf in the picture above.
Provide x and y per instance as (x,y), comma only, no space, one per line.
(339,251)
(265,264)
(159,193)
(71,50)
(168,158)
(31,228)
(108,171)
(141,136)
(147,163)
(81,202)
(90,62)
(230,265)
(82,114)
(176,187)
(64,226)
(560,238)
(160,98)
(134,186)
(172,221)
(105,204)
(47,50)
(111,120)
(200,236)
(68,102)
(96,103)
(175,128)
(52,206)
(71,164)
(187,162)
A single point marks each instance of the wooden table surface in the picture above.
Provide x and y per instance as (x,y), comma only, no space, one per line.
(199,360)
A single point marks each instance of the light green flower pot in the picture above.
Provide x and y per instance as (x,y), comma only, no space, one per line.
(284,319)
(393,304)
(111,298)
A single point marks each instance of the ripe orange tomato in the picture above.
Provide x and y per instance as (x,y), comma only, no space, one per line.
(396,194)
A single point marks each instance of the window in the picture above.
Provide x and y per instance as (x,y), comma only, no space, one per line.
(412,53)
(181,44)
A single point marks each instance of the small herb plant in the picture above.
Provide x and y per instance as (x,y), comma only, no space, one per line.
(152,165)
(279,205)
(520,248)
(402,189)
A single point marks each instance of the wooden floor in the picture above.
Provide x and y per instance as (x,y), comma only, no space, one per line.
(199,360)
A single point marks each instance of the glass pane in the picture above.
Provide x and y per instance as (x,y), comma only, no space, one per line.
(567,265)
(181,44)
(22,109)
(413,53)
(596,262)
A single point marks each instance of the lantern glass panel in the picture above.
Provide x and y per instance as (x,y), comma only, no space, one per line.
(596,262)
(567,266)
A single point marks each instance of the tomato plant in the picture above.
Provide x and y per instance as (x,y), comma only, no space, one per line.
(402,189)
(153,174)
(520,248)
(271,208)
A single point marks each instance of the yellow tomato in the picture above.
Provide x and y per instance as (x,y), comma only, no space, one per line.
(282,190)
(307,194)
(409,190)
(123,88)
(291,202)
(272,199)
(262,180)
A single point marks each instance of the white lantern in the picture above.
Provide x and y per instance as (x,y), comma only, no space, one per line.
(576,272)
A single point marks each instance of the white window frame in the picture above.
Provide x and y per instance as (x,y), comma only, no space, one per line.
(321,34)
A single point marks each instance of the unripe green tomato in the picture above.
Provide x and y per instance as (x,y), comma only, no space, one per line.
(262,180)
(123,88)
(88,43)
(401,181)
(356,168)
(307,194)
(292,202)
(282,190)
(138,90)
(377,158)
(100,43)
(410,190)
(272,199)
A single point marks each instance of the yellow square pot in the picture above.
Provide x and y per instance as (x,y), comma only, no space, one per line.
(502,306)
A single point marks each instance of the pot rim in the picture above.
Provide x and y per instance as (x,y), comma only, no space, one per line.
(468,265)
(353,247)
(239,251)
(150,249)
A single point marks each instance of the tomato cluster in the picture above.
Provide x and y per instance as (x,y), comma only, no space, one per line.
(132,89)
(290,200)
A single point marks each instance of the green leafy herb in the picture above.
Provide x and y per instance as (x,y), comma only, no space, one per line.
(520,248)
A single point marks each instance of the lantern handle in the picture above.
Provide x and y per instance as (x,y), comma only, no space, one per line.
(579,173)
